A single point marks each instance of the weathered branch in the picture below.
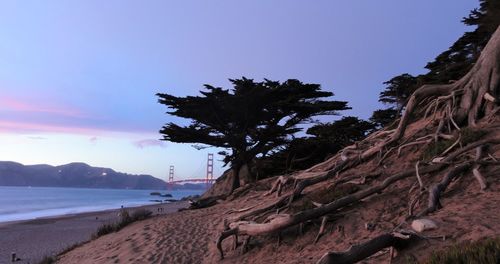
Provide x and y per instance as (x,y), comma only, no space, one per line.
(436,190)
(301,185)
(362,251)
(475,171)
(418,176)
(321,228)
(479,177)
(253,229)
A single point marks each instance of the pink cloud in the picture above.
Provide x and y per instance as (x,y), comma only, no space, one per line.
(149,143)
(37,138)
(11,104)
(26,127)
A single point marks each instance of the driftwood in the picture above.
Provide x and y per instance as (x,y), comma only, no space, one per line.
(204,202)
(364,250)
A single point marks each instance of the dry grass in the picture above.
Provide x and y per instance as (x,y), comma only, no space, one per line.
(125,219)
(482,252)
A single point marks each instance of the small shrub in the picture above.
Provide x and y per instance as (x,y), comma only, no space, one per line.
(141,214)
(469,135)
(484,252)
(328,195)
(47,260)
(436,148)
(125,219)
(104,230)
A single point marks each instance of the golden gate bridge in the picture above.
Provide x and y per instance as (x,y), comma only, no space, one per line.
(209,177)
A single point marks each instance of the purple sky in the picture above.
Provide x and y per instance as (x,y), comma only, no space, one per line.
(77,81)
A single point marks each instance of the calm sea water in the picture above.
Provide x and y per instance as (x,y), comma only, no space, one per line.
(22,203)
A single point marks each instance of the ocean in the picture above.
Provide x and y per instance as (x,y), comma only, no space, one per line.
(23,203)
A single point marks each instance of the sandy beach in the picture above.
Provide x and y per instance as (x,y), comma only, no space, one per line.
(189,236)
(32,240)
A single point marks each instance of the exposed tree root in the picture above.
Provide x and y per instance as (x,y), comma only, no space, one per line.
(259,211)
(413,202)
(321,229)
(301,185)
(281,221)
(278,185)
(418,177)
(456,104)
(412,144)
(479,177)
(475,171)
(362,251)
(436,190)
(253,229)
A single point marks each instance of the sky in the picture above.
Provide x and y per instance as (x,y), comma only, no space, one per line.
(78,78)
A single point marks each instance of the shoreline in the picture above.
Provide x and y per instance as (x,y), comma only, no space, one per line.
(79,214)
(34,239)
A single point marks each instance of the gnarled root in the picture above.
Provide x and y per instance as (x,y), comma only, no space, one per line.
(301,185)
(283,221)
(475,171)
(321,229)
(253,229)
(278,185)
(364,250)
(436,190)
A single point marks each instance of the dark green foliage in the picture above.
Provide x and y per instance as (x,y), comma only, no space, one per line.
(125,219)
(458,59)
(469,135)
(104,230)
(435,149)
(251,119)
(448,66)
(325,140)
(343,132)
(399,90)
(383,117)
(481,252)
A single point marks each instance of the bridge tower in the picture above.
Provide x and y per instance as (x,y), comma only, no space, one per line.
(210,169)
(170,183)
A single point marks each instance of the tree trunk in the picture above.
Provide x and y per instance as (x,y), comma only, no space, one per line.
(236,178)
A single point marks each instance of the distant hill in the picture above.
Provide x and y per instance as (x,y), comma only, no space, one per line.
(78,175)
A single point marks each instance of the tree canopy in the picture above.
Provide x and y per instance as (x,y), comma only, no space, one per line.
(398,90)
(250,119)
(448,66)
(382,117)
(323,140)
(459,58)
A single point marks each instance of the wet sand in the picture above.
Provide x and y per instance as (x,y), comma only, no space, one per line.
(32,240)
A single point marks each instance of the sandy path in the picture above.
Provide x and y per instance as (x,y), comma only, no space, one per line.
(34,239)
(183,237)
